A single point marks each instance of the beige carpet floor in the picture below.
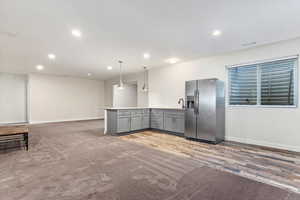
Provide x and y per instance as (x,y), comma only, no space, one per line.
(75,161)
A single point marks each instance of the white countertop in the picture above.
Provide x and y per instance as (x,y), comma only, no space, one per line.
(133,108)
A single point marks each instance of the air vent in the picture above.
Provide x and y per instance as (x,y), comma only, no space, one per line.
(249,44)
(8,34)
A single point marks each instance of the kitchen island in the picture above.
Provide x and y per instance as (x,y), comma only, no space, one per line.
(132,119)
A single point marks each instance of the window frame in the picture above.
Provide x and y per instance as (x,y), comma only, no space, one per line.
(258,102)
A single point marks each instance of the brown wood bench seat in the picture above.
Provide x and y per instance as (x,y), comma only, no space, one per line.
(7,131)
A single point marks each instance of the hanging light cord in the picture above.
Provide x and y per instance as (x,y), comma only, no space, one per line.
(145,76)
(144,86)
(121,81)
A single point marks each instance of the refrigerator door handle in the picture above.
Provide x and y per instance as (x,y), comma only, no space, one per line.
(196,100)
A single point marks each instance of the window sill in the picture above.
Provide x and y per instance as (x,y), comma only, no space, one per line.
(260,106)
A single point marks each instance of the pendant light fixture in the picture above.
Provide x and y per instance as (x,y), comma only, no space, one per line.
(145,88)
(121,84)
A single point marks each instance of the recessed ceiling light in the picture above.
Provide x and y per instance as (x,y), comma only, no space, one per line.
(51,56)
(172,60)
(216,33)
(89,74)
(109,67)
(76,33)
(39,67)
(147,55)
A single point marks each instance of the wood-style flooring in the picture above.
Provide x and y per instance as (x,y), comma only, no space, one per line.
(277,168)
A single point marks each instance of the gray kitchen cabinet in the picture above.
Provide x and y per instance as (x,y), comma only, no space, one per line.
(136,119)
(174,121)
(157,123)
(157,119)
(126,120)
(111,121)
(168,125)
(146,119)
(180,125)
(145,122)
(136,123)
(123,124)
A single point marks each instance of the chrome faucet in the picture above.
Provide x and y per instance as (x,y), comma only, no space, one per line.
(181,100)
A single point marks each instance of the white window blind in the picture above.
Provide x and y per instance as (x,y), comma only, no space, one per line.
(243,85)
(269,84)
(277,82)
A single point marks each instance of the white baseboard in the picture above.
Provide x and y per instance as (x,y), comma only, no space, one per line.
(12,123)
(264,143)
(65,120)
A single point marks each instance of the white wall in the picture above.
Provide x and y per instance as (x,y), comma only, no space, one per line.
(142,97)
(126,97)
(13,98)
(59,98)
(275,127)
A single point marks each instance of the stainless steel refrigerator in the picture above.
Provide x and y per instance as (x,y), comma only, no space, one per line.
(205,110)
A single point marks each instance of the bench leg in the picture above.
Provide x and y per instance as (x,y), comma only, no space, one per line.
(26,140)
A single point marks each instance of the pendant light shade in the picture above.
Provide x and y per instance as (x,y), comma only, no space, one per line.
(145,88)
(121,84)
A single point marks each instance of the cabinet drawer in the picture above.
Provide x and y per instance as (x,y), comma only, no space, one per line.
(157,123)
(174,114)
(156,119)
(146,115)
(136,112)
(156,115)
(124,113)
(136,115)
(157,111)
(146,111)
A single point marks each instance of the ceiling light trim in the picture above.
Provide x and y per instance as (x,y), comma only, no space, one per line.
(109,67)
(51,56)
(147,56)
(76,33)
(217,32)
(172,60)
(40,67)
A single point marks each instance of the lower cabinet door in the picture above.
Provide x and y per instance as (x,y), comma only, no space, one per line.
(174,124)
(145,122)
(168,124)
(124,124)
(179,125)
(136,123)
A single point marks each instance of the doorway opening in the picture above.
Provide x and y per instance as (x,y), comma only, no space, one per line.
(125,97)
(13,98)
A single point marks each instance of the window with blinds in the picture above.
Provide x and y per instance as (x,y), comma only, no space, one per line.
(277,82)
(268,84)
(243,85)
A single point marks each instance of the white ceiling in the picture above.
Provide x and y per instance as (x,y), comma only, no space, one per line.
(125,29)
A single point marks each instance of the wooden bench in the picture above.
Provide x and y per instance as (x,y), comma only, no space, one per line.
(6,133)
